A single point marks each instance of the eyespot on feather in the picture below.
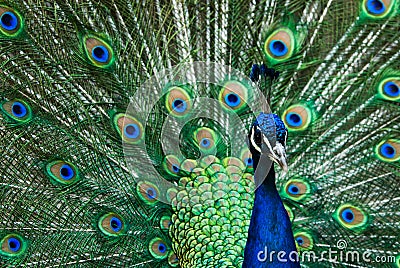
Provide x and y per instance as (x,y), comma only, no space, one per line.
(304,240)
(62,172)
(297,117)
(377,9)
(12,245)
(98,51)
(233,95)
(388,150)
(178,101)
(165,223)
(296,189)
(11,22)
(18,110)
(389,89)
(205,139)
(129,128)
(111,224)
(171,165)
(148,192)
(247,159)
(351,217)
(158,248)
(280,45)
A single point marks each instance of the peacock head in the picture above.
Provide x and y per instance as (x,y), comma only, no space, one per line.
(267,138)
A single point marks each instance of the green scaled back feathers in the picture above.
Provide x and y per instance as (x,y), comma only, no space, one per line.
(91,120)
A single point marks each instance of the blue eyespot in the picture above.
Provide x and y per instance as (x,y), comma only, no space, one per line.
(14,244)
(375,7)
(299,241)
(249,161)
(278,48)
(9,21)
(294,119)
(100,54)
(388,150)
(205,142)
(293,189)
(115,224)
(131,131)
(162,248)
(348,215)
(232,99)
(391,89)
(179,105)
(66,172)
(18,109)
(175,168)
(151,193)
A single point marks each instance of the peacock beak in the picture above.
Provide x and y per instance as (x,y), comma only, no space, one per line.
(279,156)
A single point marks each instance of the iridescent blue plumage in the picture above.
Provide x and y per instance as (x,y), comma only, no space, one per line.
(270,227)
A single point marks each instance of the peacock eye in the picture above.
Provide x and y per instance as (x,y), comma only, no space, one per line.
(171,165)
(297,189)
(377,8)
(389,89)
(115,224)
(304,240)
(132,131)
(347,215)
(233,95)
(129,128)
(111,224)
(300,241)
(178,101)
(148,192)
(388,150)
(165,222)
(351,217)
(249,161)
(280,45)
(297,117)
(247,158)
(62,172)
(206,139)
(100,54)
(17,110)
(158,248)
(278,48)
(98,51)
(10,21)
(12,245)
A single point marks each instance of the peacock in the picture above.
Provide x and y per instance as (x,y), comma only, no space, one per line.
(231,133)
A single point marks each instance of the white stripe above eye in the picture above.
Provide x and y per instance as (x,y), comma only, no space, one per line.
(253,142)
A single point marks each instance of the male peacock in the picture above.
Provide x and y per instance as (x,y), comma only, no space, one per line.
(113,157)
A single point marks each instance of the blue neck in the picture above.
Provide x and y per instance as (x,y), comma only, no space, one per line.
(270,229)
